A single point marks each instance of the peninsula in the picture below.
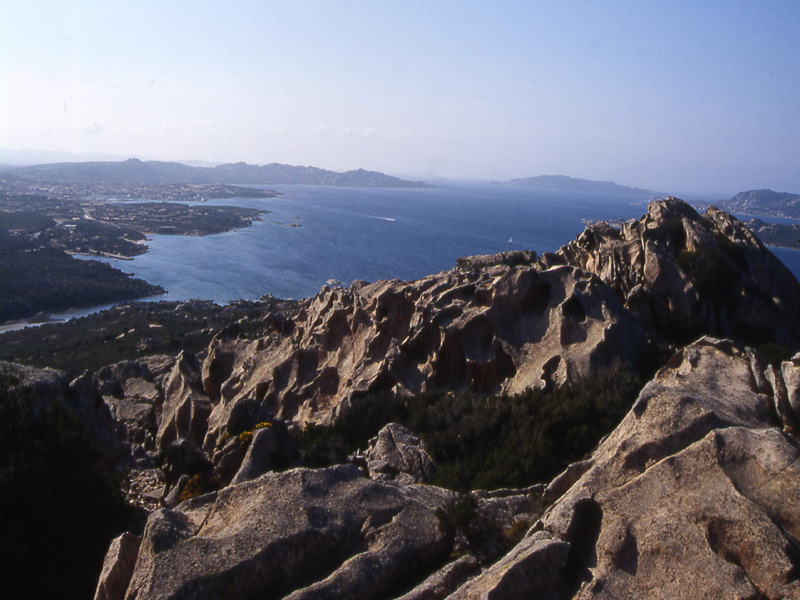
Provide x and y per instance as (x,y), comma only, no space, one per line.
(765,202)
(562,183)
(41,224)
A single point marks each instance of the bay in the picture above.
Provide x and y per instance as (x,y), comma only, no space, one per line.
(316,234)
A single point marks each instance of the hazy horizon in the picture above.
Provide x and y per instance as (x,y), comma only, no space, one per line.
(669,97)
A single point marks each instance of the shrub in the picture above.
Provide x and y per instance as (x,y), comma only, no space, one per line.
(486,441)
(199,484)
(247,436)
(711,272)
(469,529)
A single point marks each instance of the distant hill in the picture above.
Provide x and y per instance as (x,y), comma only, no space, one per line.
(765,202)
(136,171)
(562,183)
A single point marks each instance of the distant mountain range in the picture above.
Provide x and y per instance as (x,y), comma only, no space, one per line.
(134,171)
(764,202)
(562,183)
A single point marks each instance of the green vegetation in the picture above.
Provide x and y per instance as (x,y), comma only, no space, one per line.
(59,505)
(36,232)
(39,279)
(487,442)
(132,331)
(176,219)
(95,237)
(246,437)
(461,517)
(28,222)
(199,484)
(715,270)
(774,354)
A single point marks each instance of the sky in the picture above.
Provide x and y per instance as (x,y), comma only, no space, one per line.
(670,96)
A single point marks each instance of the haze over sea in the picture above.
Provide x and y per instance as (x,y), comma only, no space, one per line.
(346,234)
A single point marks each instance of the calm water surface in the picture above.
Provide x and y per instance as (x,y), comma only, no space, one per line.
(355,233)
(345,234)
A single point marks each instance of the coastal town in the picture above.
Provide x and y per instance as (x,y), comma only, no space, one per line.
(103,219)
(42,224)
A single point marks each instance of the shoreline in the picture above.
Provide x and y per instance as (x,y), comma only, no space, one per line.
(102,254)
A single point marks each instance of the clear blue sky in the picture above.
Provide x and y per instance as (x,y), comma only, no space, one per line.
(674,96)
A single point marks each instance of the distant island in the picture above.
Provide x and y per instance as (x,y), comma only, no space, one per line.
(135,171)
(775,234)
(562,183)
(765,202)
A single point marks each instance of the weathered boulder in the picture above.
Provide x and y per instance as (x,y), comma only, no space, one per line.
(532,569)
(692,496)
(355,537)
(44,389)
(271,448)
(397,454)
(41,387)
(444,581)
(118,567)
(790,371)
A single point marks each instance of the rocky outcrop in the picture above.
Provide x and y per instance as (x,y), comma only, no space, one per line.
(495,324)
(692,496)
(44,389)
(685,274)
(186,408)
(308,533)
(486,327)
(132,390)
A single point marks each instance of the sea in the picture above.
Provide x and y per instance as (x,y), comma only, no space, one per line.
(315,236)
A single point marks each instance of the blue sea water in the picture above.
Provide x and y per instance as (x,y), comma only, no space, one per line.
(355,233)
(345,234)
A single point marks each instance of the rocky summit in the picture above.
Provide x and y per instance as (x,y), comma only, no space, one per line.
(692,495)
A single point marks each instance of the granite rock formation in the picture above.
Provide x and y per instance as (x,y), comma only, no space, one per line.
(484,327)
(330,532)
(685,274)
(397,454)
(692,496)
(501,323)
